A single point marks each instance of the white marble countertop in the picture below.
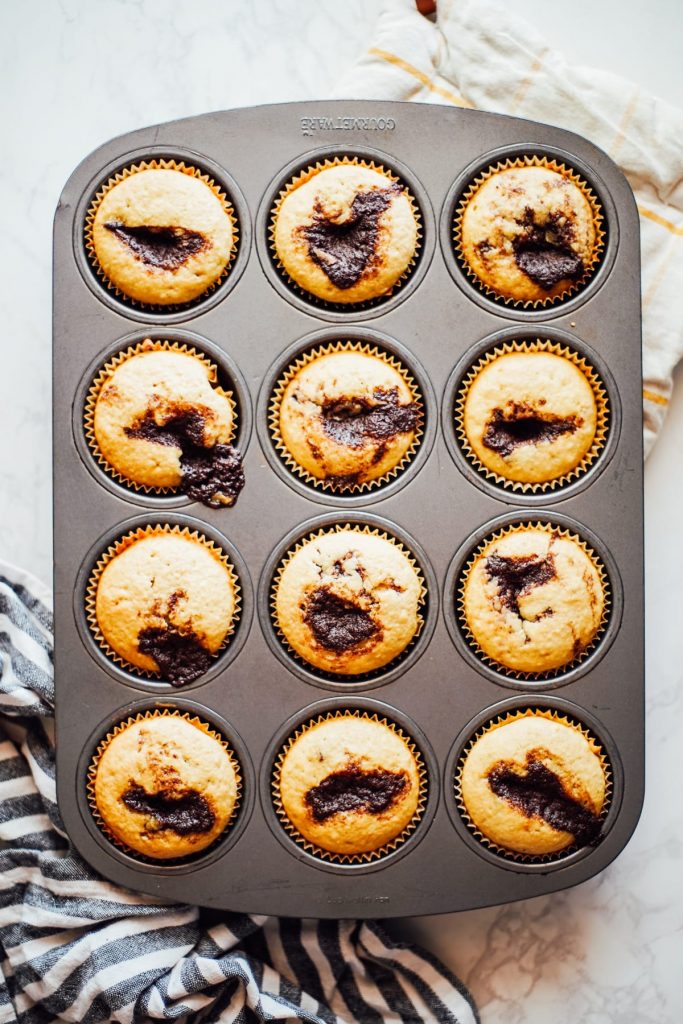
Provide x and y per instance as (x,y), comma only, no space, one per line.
(78,72)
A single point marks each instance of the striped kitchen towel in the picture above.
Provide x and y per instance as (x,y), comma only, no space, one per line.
(481,54)
(74,947)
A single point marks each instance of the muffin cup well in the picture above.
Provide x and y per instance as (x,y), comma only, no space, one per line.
(333,677)
(304,359)
(551,528)
(121,727)
(603,412)
(117,548)
(301,178)
(104,374)
(504,718)
(343,858)
(530,160)
(157,164)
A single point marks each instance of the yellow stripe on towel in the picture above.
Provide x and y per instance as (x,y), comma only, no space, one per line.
(675,229)
(651,396)
(399,62)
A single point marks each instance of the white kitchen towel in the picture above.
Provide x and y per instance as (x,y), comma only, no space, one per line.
(481,54)
(74,947)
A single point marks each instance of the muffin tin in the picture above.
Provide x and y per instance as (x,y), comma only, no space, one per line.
(439,692)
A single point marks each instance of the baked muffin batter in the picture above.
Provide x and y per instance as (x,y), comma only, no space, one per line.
(165,603)
(165,787)
(533,600)
(345,233)
(529,233)
(348,602)
(162,236)
(348,418)
(349,785)
(534,786)
(159,422)
(530,416)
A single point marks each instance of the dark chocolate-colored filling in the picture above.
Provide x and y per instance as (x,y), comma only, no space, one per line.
(546,264)
(181,812)
(516,576)
(180,656)
(207,473)
(353,789)
(539,794)
(336,623)
(349,421)
(212,472)
(545,254)
(343,251)
(505,432)
(164,247)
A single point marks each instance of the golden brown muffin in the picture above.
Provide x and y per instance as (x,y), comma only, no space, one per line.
(533,599)
(529,233)
(348,418)
(160,422)
(165,786)
(530,417)
(349,785)
(534,786)
(348,602)
(162,236)
(345,233)
(165,602)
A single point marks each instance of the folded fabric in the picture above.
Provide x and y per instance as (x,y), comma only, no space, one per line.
(480,54)
(74,947)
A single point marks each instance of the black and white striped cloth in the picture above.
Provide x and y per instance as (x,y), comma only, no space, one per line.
(77,948)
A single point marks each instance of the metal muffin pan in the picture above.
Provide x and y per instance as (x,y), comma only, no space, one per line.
(438,324)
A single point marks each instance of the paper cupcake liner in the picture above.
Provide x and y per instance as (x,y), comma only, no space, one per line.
(349,858)
(340,676)
(308,357)
(104,375)
(116,549)
(602,414)
(121,727)
(551,528)
(504,719)
(167,165)
(300,179)
(551,165)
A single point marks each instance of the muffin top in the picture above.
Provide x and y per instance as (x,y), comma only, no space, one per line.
(529,233)
(165,603)
(348,418)
(165,787)
(534,786)
(162,236)
(349,785)
(345,233)
(347,602)
(530,416)
(533,600)
(160,422)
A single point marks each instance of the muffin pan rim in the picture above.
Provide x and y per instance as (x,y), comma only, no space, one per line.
(157,688)
(510,311)
(521,332)
(373,307)
(559,677)
(226,365)
(351,703)
(330,334)
(541,702)
(223,842)
(202,303)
